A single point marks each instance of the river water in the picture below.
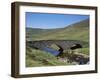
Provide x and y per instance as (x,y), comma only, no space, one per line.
(52,51)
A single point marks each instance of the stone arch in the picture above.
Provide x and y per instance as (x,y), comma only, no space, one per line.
(58,47)
(54,46)
(76,46)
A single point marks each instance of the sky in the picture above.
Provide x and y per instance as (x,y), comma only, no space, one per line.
(51,21)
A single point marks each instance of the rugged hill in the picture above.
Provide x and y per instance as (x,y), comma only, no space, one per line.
(76,31)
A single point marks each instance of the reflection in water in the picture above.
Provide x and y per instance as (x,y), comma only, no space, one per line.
(52,51)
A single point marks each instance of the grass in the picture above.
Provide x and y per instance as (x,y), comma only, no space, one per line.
(84,51)
(40,58)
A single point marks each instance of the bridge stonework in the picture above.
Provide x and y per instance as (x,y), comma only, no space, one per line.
(64,44)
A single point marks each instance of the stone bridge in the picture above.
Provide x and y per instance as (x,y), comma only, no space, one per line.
(62,44)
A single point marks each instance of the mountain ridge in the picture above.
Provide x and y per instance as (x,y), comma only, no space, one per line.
(74,31)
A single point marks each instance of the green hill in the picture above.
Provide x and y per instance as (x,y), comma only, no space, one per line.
(76,31)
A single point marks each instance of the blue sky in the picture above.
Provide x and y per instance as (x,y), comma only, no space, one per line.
(51,21)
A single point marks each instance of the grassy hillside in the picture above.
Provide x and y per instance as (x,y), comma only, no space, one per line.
(41,58)
(76,31)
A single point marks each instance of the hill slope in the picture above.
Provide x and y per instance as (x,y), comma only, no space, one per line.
(40,58)
(76,31)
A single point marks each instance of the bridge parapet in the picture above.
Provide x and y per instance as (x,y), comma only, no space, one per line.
(64,44)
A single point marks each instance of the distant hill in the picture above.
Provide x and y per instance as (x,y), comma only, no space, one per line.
(76,31)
